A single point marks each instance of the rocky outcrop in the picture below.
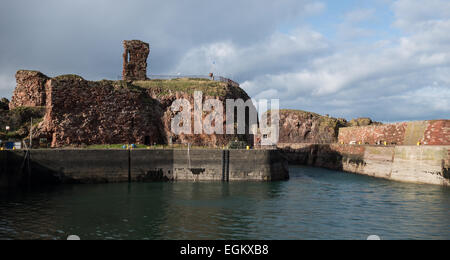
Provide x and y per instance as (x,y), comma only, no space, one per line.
(85,112)
(135,60)
(81,112)
(362,121)
(30,89)
(305,127)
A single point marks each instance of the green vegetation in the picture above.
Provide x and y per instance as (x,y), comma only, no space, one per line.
(185,85)
(4,104)
(68,77)
(104,146)
(19,120)
(152,147)
(237,145)
(299,112)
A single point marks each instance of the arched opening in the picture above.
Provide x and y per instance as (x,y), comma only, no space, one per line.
(147,140)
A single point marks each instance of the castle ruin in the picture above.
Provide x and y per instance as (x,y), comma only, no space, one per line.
(135,60)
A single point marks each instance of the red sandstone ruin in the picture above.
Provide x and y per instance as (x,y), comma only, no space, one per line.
(80,112)
(135,60)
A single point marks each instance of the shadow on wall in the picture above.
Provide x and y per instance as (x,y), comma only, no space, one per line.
(52,167)
(20,171)
(325,156)
(446,173)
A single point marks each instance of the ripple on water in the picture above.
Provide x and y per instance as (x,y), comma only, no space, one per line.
(314,204)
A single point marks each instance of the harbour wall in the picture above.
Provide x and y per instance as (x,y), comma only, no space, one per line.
(434,132)
(3,176)
(110,166)
(414,164)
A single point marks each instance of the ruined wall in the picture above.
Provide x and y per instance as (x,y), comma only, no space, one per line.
(86,112)
(414,164)
(80,112)
(305,127)
(30,89)
(435,132)
(135,60)
(4,180)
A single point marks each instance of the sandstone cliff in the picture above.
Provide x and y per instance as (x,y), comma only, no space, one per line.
(81,112)
(362,121)
(305,127)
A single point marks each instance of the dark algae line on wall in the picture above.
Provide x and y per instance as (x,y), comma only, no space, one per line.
(110,166)
(416,164)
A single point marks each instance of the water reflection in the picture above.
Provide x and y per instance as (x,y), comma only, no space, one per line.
(314,204)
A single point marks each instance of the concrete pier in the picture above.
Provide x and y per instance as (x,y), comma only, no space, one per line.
(105,166)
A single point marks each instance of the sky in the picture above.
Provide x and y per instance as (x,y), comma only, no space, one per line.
(384,59)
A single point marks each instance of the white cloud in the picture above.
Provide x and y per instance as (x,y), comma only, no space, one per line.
(359,15)
(279,52)
(403,76)
(413,13)
(393,80)
(314,8)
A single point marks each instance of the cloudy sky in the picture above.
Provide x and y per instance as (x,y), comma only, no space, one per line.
(386,59)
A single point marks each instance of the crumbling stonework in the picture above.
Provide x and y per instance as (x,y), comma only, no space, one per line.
(391,133)
(30,90)
(362,121)
(135,60)
(305,127)
(85,112)
(82,112)
(435,132)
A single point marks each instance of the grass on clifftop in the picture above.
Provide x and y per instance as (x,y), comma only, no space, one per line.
(299,112)
(185,85)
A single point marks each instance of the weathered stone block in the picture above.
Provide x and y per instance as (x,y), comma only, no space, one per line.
(30,90)
(135,60)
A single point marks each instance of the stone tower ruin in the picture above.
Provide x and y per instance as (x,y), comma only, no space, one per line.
(135,60)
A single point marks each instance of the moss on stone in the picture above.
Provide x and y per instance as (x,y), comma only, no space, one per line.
(69,77)
(299,112)
(184,85)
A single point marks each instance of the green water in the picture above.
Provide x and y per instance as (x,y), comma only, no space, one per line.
(314,204)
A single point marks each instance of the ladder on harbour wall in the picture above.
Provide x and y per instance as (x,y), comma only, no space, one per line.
(225,165)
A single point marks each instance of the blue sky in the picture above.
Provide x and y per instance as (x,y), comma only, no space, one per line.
(335,13)
(386,59)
